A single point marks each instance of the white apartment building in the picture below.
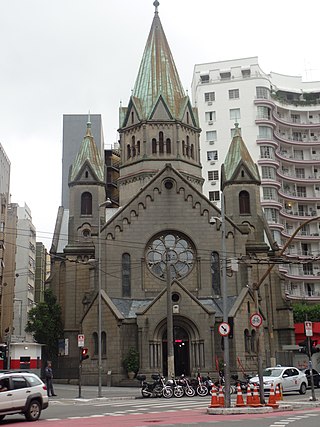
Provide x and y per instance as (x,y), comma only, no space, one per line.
(279,120)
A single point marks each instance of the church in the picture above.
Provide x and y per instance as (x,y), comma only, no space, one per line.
(150,271)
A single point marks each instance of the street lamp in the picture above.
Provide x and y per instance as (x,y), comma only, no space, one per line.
(226,350)
(104,204)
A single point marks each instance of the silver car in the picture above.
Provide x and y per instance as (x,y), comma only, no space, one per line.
(289,377)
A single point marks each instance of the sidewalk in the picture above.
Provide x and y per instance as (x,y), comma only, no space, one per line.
(67,391)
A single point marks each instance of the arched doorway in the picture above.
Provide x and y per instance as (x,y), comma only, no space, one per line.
(181,351)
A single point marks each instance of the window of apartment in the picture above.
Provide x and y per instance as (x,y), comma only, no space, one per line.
(234,114)
(262,92)
(271,214)
(214,196)
(213,175)
(209,96)
(269,193)
(265,132)
(211,135)
(263,112)
(268,172)
(210,116)
(246,73)
(300,173)
(225,75)
(297,136)
(233,131)
(234,94)
(301,191)
(266,152)
(212,155)
(295,118)
(204,78)
(298,154)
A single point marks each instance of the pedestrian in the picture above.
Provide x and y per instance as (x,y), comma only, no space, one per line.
(49,376)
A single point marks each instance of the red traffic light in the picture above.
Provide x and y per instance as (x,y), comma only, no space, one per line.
(84,353)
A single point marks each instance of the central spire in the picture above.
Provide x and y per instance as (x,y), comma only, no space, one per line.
(158,75)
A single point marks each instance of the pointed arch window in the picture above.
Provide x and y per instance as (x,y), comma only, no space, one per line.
(126,275)
(138,148)
(188,146)
(192,151)
(168,145)
(253,341)
(86,203)
(154,146)
(132,117)
(133,146)
(95,343)
(161,143)
(244,203)
(103,343)
(187,117)
(183,148)
(215,273)
(246,341)
(128,151)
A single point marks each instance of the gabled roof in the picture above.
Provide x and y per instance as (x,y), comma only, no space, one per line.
(88,154)
(238,155)
(158,74)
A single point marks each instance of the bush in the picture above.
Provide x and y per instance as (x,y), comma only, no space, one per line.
(131,362)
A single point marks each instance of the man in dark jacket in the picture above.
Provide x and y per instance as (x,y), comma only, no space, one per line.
(49,376)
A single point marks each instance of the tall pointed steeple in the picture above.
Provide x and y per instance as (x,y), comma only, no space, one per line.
(158,75)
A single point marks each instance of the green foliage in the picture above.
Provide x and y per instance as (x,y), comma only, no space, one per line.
(303,312)
(131,362)
(44,322)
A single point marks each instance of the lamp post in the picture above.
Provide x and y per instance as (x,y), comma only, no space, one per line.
(104,204)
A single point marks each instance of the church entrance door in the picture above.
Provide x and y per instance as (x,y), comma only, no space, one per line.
(181,352)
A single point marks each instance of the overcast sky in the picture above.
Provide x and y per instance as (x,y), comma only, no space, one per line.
(71,56)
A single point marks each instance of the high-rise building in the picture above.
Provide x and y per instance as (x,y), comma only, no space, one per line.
(279,118)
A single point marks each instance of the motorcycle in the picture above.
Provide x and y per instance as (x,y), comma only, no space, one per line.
(221,382)
(178,390)
(156,389)
(200,387)
(187,387)
(243,383)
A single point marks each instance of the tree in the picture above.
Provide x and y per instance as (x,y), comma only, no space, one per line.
(303,312)
(44,322)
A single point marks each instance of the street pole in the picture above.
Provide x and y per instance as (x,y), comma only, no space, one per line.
(226,350)
(80,372)
(313,395)
(170,348)
(258,341)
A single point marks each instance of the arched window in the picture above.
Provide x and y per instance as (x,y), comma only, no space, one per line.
(161,143)
(103,343)
(86,203)
(138,148)
(132,117)
(133,146)
(192,151)
(187,117)
(86,174)
(168,145)
(188,146)
(154,146)
(95,343)
(183,148)
(128,151)
(215,273)
(253,341)
(246,341)
(126,275)
(244,203)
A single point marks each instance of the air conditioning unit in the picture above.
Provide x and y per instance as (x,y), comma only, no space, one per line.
(212,162)
(210,122)
(209,102)
(213,183)
(211,142)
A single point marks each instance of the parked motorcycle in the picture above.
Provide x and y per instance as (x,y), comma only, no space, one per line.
(187,387)
(156,389)
(243,383)
(178,390)
(200,387)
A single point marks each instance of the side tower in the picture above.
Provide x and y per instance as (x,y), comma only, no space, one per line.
(159,125)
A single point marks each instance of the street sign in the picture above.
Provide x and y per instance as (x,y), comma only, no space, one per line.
(224,329)
(256,320)
(308,329)
(80,340)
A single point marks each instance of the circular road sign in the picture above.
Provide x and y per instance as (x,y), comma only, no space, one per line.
(224,329)
(256,320)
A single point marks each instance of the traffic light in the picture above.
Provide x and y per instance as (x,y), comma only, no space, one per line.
(313,347)
(303,347)
(84,354)
(3,352)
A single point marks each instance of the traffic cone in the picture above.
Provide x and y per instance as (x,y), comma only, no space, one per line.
(281,391)
(240,401)
(221,396)
(272,398)
(249,395)
(214,398)
(277,394)
(255,397)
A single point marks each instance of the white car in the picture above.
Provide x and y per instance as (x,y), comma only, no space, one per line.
(291,379)
(22,393)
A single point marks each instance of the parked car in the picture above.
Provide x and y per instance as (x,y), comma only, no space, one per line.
(22,393)
(316,377)
(291,379)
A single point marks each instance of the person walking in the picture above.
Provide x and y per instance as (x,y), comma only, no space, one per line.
(49,376)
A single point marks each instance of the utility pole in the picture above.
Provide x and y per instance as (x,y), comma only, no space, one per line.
(170,348)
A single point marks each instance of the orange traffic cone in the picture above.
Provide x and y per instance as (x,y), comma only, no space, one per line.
(272,398)
(255,397)
(249,395)
(277,394)
(240,401)
(221,396)
(214,398)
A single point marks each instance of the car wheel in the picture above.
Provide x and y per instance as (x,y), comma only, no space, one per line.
(33,412)
(303,388)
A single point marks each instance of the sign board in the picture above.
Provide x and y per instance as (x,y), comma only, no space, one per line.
(256,320)
(308,329)
(80,340)
(224,329)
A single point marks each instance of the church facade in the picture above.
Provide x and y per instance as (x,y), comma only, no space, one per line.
(162,239)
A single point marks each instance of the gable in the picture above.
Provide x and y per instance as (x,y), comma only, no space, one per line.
(160,111)
(86,174)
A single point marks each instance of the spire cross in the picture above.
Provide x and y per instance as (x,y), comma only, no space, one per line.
(156,5)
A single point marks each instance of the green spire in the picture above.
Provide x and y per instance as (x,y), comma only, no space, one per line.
(88,153)
(238,154)
(158,74)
